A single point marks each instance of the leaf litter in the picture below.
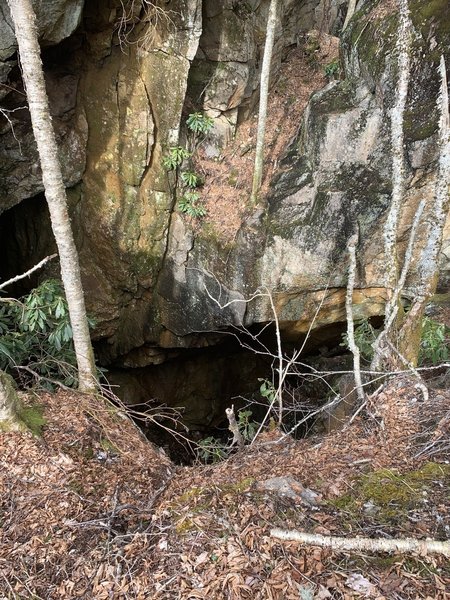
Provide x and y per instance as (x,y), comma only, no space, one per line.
(93,510)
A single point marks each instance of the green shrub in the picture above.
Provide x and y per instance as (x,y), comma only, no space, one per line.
(247,427)
(332,69)
(191,179)
(365,336)
(36,334)
(434,344)
(211,450)
(267,390)
(199,123)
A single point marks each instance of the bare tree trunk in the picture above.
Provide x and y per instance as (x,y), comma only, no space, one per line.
(399,342)
(263,99)
(24,21)
(383,353)
(351,246)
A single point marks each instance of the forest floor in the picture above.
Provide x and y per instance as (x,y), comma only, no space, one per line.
(90,509)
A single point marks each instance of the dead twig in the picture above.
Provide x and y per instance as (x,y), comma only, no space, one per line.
(234,428)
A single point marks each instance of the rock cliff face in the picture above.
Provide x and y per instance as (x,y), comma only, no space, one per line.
(118,87)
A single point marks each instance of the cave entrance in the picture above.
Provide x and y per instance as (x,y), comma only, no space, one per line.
(185,391)
(185,397)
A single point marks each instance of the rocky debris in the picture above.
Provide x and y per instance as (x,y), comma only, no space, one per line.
(288,487)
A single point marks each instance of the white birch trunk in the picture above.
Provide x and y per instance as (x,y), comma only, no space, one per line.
(403,48)
(263,99)
(428,263)
(24,21)
(351,246)
(365,544)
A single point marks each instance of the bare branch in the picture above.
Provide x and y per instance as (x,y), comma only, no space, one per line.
(29,272)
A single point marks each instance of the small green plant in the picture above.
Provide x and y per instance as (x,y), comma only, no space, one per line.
(332,69)
(175,157)
(190,205)
(199,123)
(191,179)
(247,427)
(267,390)
(365,336)
(434,344)
(211,450)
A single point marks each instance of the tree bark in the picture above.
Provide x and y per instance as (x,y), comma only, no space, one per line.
(263,99)
(351,246)
(393,309)
(24,20)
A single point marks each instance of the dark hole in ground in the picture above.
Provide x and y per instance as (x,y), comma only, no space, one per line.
(201,383)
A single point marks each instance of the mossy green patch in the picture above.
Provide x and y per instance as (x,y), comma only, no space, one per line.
(239,487)
(33,417)
(389,494)
(108,446)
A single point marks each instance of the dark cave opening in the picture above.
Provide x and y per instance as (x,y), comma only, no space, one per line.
(181,403)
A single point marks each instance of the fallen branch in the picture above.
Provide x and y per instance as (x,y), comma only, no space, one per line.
(364,544)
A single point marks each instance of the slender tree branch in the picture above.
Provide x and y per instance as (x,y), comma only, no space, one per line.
(350,12)
(29,272)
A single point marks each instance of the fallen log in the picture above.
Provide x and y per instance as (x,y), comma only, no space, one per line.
(365,544)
